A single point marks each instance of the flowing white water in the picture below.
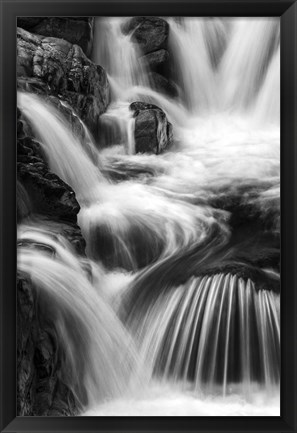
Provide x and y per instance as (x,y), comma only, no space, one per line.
(66,155)
(193,63)
(117,54)
(246,60)
(100,354)
(210,345)
(214,331)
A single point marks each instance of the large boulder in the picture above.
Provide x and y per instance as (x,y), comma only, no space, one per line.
(151,33)
(153,132)
(48,194)
(76,30)
(66,73)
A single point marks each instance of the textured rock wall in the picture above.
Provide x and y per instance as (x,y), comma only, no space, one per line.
(76,30)
(40,387)
(65,72)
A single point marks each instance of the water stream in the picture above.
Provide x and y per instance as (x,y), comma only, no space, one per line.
(181,315)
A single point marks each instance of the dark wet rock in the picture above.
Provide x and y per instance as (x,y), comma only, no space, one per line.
(40,387)
(151,33)
(33,85)
(76,30)
(48,194)
(28,23)
(156,59)
(162,84)
(23,202)
(138,106)
(66,73)
(153,132)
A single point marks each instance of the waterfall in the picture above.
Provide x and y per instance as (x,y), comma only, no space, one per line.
(118,55)
(65,154)
(179,312)
(245,63)
(214,330)
(118,124)
(193,63)
(100,355)
(267,107)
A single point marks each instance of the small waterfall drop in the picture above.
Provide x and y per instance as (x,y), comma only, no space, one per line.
(208,339)
(100,354)
(245,63)
(267,107)
(117,54)
(193,63)
(66,155)
(215,332)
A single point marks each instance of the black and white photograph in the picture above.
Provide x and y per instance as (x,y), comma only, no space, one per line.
(148,216)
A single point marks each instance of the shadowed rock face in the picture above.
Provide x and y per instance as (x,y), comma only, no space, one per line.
(156,59)
(153,132)
(66,73)
(77,31)
(40,387)
(151,33)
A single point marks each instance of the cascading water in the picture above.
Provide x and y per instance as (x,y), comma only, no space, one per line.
(182,296)
(213,331)
(245,63)
(193,62)
(102,367)
(66,156)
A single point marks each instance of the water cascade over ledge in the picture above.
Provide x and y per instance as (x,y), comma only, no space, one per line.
(176,307)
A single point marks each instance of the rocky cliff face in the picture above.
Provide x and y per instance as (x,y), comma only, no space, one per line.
(65,72)
(76,30)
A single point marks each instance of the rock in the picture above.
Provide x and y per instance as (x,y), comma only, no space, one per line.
(138,106)
(156,59)
(66,73)
(77,31)
(71,117)
(49,195)
(40,387)
(28,23)
(23,202)
(153,132)
(163,84)
(34,85)
(151,33)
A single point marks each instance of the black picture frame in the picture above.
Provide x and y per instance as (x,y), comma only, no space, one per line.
(287,10)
